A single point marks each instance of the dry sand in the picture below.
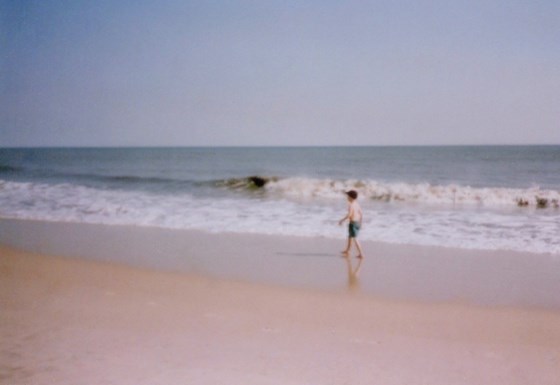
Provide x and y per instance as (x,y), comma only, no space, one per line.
(74,321)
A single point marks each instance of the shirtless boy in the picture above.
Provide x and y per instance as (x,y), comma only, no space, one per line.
(354,217)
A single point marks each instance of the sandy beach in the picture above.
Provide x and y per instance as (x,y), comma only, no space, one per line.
(75,320)
(179,179)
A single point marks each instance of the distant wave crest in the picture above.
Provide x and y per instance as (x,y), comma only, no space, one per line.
(4,168)
(250,182)
(310,188)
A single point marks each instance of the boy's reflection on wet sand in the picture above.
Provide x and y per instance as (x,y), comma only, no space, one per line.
(353,272)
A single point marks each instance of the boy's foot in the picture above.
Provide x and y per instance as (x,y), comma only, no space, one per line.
(360,256)
(345,254)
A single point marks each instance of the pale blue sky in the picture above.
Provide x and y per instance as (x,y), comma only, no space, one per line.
(279,72)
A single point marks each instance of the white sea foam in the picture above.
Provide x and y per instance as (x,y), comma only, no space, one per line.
(415,193)
(277,212)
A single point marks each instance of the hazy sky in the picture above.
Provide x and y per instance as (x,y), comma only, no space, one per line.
(260,72)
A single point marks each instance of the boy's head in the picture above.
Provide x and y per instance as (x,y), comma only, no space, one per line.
(352,194)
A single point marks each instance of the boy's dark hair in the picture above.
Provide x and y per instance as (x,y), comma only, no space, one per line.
(352,194)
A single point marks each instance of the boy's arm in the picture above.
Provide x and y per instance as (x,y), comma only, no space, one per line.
(348,216)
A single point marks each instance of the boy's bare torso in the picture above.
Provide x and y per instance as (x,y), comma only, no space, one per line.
(355,212)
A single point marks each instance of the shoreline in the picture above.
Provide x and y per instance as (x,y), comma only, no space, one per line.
(394,272)
(71,320)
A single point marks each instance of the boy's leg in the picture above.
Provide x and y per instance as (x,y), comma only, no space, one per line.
(348,246)
(359,247)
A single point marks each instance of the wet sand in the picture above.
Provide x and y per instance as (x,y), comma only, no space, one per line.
(90,304)
(75,321)
(399,272)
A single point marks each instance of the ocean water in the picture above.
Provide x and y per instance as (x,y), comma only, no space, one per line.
(481,197)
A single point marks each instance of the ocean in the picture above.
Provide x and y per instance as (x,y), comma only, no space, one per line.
(475,197)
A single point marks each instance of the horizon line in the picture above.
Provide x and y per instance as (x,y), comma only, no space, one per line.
(273,146)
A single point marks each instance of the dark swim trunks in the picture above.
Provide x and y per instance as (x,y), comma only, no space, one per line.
(353,229)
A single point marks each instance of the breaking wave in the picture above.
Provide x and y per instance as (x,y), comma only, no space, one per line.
(415,193)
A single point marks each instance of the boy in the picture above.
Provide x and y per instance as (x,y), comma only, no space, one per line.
(354,217)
